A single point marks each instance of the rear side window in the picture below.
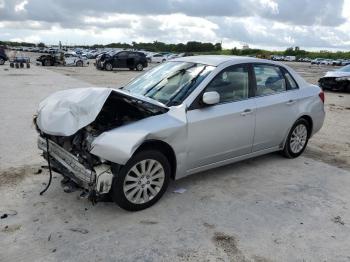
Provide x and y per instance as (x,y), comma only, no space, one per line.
(291,82)
(269,80)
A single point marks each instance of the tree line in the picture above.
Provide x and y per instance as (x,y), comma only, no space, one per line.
(290,51)
(192,46)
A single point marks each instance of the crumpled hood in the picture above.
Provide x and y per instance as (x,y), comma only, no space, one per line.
(65,112)
(337,74)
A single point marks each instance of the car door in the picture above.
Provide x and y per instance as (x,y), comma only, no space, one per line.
(120,59)
(276,105)
(224,130)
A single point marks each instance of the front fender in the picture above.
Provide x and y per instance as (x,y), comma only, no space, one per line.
(118,145)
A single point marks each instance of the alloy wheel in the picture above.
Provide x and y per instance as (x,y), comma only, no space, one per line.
(144,181)
(139,67)
(298,138)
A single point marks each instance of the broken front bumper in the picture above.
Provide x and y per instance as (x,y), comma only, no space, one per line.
(99,179)
(76,171)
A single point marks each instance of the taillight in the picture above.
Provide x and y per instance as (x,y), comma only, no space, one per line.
(321,95)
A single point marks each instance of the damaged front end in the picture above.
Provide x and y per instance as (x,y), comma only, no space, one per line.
(69,121)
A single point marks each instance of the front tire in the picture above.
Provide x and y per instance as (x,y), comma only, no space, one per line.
(47,63)
(108,67)
(142,181)
(297,139)
(79,63)
(2,61)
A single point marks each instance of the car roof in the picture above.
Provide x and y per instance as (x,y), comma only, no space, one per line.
(216,60)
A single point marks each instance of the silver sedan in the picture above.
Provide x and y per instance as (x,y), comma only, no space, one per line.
(182,117)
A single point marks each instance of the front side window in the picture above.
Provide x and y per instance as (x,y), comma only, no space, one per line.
(170,83)
(232,84)
(269,80)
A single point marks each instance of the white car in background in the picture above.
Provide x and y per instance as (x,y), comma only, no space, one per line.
(326,62)
(159,58)
(73,59)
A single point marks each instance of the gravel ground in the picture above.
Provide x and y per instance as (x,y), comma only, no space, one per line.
(265,209)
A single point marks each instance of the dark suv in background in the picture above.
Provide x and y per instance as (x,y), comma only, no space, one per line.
(3,56)
(123,59)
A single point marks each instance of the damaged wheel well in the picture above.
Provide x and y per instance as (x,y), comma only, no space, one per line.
(163,147)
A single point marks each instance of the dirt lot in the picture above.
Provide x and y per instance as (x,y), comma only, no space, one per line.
(265,209)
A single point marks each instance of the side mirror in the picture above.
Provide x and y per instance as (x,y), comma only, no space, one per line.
(211,98)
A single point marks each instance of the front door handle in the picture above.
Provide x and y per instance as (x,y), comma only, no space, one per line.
(291,102)
(246,112)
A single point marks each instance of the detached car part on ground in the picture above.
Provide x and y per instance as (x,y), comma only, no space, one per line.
(338,80)
(179,118)
(123,59)
(63,59)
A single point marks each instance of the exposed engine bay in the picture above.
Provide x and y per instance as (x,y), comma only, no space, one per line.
(118,109)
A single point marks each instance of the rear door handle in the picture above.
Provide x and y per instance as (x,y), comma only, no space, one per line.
(246,112)
(291,102)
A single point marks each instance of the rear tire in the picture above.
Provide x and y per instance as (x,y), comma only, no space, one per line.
(47,63)
(297,139)
(139,67)
(142,181)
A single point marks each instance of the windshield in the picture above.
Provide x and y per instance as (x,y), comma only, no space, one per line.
(169,83)
(345,69)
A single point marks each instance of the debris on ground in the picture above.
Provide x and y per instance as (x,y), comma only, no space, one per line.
(338,220)
(11,228)
(79,230)
(179,191)
(8,213)
(38,171)
(148,222)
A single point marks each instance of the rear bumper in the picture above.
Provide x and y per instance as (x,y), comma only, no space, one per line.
(67,164)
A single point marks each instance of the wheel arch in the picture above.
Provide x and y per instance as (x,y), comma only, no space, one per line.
(310,122)
(305,117)
(163,147)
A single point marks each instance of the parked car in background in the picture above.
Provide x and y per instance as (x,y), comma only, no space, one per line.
(316,61)
(159,58)
(345,62)
(73,59)
(337,62)
(290,58)
(123,59)
(326,62)
(338,80)
(62,58)
(182,117)
(3,56)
